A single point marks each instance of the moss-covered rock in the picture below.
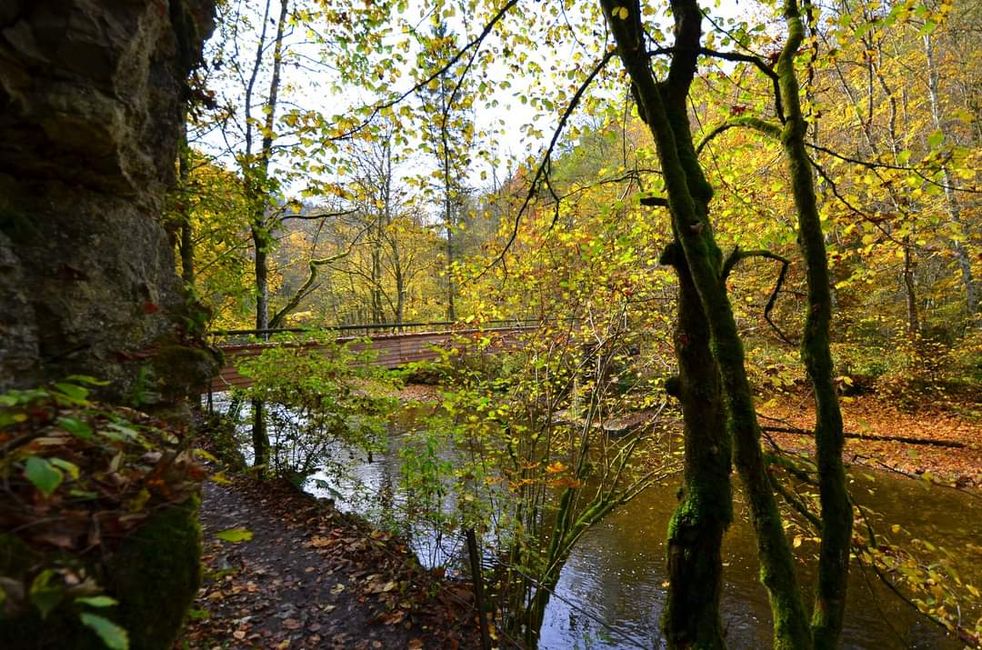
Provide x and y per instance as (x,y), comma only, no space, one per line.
(100,520)
(154,574)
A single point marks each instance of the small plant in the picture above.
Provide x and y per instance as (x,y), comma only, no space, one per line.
(81,477)
(320,396)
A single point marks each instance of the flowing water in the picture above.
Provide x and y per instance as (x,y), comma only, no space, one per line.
(612,588)
(611,591)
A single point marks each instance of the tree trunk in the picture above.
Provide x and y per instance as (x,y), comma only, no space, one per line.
(186,243)
(378,312)
(258,192)
(451,287)
(695,534)
(910,291)
(951,200)
(833,567)
(663,107)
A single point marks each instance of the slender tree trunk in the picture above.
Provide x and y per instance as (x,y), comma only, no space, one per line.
(257,191)
(663,107)
(910,291)
(400,291)
(951,200)
(186,244)
(833,568)
(448,204)
(378,314)
(695,534)
(260,439)
(451,285)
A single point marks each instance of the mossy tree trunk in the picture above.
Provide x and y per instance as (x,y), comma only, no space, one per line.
(833,568)
(695,534)
(662,105)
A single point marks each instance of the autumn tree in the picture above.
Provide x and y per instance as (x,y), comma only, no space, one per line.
(448,138)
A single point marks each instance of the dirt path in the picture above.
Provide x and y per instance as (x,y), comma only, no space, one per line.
(311,577)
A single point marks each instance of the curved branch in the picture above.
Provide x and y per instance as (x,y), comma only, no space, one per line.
(749,122)
(308,285)
(305,289)
(759,63)
(738,255)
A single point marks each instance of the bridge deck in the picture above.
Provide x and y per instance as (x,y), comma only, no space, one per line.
(393,350)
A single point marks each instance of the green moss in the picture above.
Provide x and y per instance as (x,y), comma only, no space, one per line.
(155,575)
(183,369)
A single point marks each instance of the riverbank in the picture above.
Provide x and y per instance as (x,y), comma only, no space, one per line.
(285,570)
(948,447)
(944,444)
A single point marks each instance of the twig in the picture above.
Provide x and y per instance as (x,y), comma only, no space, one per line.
(738,255)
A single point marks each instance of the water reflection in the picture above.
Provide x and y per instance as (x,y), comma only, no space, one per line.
(611,592)
(617,571)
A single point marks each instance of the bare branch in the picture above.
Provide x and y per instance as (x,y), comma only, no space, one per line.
(541,170)
(319,215)
(737,255)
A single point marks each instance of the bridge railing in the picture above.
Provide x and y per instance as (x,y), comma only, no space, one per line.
(395,345)
(223,338)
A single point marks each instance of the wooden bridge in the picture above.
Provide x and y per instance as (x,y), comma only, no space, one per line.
(395,345)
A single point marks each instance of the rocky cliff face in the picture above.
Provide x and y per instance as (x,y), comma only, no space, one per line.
(92,97)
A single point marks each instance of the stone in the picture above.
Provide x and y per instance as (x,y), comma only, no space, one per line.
(92,105)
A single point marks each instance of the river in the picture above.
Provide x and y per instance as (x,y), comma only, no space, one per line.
(612,588)
(611,591)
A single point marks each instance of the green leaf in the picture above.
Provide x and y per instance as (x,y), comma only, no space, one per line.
(97,601)
(44,595)
(85,379)
(7,419)
(73,391)
(198,614)
(235,535)
(935,139)
(119,432)
(111,634)
(43,475)
(71,468)
(76,427)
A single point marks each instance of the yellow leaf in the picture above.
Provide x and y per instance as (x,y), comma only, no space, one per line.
(555,468)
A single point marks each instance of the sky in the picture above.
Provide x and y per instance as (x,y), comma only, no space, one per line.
(515,131)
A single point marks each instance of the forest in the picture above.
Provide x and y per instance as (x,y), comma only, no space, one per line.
(490,324)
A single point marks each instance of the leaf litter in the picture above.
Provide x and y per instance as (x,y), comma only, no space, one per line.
(313,577)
